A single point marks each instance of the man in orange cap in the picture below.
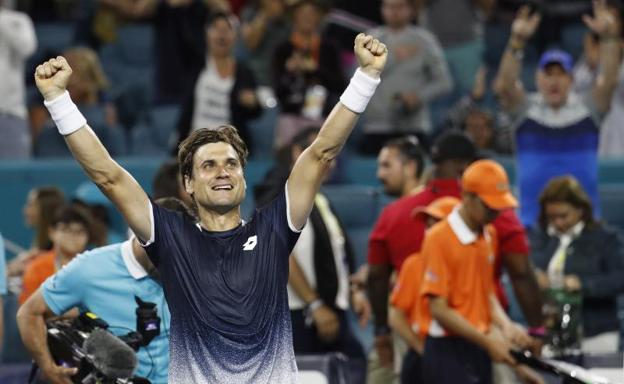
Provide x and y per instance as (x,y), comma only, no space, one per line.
(459,260)
(405,301)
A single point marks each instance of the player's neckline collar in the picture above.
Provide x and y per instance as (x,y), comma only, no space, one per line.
(220,233)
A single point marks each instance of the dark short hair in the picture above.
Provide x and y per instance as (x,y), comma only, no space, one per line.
(224,133)
(453,145)
(74,213)
(216,16)
(165,183)
(566,189)
(175,205)
(409,147)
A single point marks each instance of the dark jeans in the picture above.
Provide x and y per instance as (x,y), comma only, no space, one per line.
(306,341)
(455,360)
(411,370)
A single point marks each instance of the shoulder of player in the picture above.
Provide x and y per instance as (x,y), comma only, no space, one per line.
(439,233)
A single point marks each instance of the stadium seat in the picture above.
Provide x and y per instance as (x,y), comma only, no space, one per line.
(164,122)
(359,240)
(611,203)
(144,143)
(355,205)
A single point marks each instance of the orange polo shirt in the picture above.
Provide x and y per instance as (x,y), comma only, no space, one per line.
(406,293)
(36,272)
(459,265)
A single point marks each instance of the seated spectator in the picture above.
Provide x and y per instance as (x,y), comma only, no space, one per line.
(479,126)
(573,251)
(556,129)
(39,209)
(17,43)
(70,233)
(265,26)
(307,74)
(416,73)
(224,91)
(611,143)
(321,264)
(88,88)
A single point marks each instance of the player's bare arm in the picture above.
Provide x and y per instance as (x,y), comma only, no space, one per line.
(309,170)
(118,185)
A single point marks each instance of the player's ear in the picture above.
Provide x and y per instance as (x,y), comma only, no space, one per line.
(188,184)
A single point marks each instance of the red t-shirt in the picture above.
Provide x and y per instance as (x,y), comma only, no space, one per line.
(397,234)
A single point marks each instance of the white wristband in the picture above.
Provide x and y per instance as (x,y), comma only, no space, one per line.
(65,114)
(359,92)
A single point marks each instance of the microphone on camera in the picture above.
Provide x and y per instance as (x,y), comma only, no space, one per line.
(110,355)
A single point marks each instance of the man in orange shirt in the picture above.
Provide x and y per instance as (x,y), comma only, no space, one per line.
(405,301)
(70,234)
(459,258)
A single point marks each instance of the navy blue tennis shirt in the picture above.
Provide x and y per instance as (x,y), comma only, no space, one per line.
(226,291)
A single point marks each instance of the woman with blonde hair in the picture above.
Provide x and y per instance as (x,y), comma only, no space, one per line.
(575,252)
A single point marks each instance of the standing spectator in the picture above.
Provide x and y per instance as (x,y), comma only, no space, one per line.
(417,73)
(400,165)
(611,143)
(405,315)
(180,46)
(480,127)
(39,209)
(17,43)
(458,25)
(557,130)
(307,73)
(265,26)
(573,251)
(459,265)
(321,264)
(224,91)
(397,235)
(70,234)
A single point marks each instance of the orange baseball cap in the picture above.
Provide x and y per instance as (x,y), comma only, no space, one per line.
(438,209)
(488,180)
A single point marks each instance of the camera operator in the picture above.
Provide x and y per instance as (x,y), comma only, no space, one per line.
(104,281)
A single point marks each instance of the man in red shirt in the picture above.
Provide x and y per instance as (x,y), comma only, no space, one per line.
(397,235)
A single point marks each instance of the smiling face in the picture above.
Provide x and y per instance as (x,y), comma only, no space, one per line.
(217,181)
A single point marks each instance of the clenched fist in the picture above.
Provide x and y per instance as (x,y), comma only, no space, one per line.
(52,77)
(371,54)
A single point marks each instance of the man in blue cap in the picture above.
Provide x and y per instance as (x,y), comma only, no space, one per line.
(556,130)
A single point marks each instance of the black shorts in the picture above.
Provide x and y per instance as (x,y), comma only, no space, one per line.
(455,360)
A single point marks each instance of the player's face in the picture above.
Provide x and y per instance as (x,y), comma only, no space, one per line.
(562,215)
(554,83)
(391,171)
(218,182)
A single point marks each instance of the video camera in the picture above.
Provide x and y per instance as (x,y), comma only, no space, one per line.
(101,357)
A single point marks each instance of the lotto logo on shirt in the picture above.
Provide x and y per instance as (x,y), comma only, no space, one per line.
(251,243)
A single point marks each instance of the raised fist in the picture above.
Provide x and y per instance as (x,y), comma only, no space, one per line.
(371,54)
(52,77)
